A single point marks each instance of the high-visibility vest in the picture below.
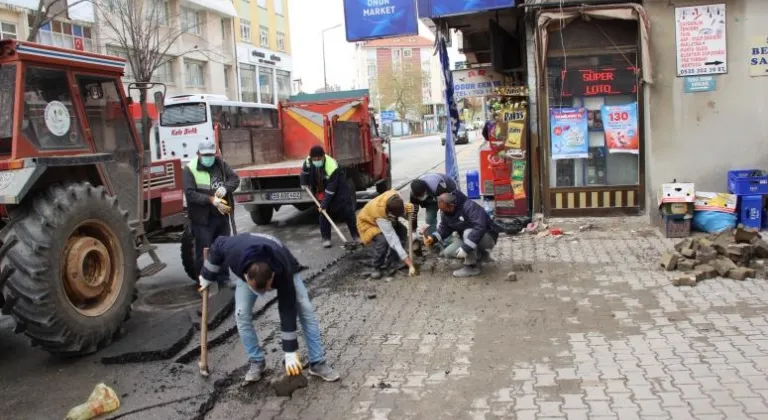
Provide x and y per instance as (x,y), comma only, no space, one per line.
(366,219)
(202,178)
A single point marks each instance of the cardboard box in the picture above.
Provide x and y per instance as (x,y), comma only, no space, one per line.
(677,192)
(712,201)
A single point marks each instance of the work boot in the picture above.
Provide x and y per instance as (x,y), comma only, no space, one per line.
(376,274)
(467,271)
(485,256)
(255,371)
(326,243)
(323,371)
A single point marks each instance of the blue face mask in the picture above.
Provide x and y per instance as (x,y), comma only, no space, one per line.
(207,161)
(317,163)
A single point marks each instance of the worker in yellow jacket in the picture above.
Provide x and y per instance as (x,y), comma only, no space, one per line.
(378,225)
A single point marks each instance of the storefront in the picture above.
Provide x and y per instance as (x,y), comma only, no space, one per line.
(265,75)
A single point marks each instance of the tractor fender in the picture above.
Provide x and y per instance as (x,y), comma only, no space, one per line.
(15,184)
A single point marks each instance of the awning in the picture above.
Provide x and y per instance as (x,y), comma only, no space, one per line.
(552,20)
(223,7)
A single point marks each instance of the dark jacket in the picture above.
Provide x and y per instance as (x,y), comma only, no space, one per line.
(437,184)
(199,207)
(329,180)
(468,215)
(240,251)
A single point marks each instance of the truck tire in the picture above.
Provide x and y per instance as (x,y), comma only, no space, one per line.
(188,252)
(262,215)
(68,269)
(385,186)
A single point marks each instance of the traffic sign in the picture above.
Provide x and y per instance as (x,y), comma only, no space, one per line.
(387,116)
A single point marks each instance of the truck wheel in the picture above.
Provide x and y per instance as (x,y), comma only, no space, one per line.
(188,252)
(385,186)
(68,266)
(262,215)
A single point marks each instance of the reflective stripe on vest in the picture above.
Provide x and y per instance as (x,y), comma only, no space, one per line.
(329,166)
(202,178)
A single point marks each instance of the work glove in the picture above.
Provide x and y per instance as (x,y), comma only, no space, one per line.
(409,208)
(221,205)
(292,364)
(221,192)
(429,240)
(461,253)
(204,284)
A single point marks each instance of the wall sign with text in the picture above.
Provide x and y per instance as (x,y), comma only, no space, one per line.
(372,19)
(700,38)
(758,56)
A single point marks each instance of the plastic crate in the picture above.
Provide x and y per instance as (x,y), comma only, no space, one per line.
(676,227)
(751,210)
(473,184)
(743,182)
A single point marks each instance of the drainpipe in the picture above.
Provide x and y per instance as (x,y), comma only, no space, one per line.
(238,88)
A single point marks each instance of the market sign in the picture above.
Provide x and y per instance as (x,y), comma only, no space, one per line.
(599,82)
(373,19)
(439,8)
(700,84)
(758,56)
(700,39)
(474,83)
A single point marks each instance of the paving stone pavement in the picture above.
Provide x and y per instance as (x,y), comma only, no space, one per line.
(593,329)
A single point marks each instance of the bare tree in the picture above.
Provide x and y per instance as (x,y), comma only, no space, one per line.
(401,90)
(47,11)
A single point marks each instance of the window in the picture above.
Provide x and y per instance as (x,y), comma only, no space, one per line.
(265,85)
(225,33)
(278,7)
(194,73)
(283,79)
(106,116)
(64,35)
(184,114)
(50,120)
(164,73)
(280,41)
(264,36)
(248,82)
(158,11)
(371,69)
(408,53)
(245,30)
(119,52)
(227,75)
(8,31)
(7,100)
(262,3)
(190,20)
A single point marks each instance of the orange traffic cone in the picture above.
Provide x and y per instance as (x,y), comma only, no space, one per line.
(102,400)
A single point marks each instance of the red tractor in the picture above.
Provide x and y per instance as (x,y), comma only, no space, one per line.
(78,194)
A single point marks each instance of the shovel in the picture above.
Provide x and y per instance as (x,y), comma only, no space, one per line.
(203,364)
(409,225)
(348,245)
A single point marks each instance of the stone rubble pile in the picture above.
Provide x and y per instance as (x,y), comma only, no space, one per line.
(738,254)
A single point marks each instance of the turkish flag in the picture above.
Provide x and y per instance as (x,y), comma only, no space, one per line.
(79,44)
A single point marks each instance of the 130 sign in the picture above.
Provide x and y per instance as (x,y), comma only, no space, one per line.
(619,116)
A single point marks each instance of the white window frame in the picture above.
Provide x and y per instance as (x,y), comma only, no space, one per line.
(164,73)
(245,30)
(407,53)
(187,14)
(264,36)
(5,34)
(280,41)
(163,13)
(188,64)
(371,69)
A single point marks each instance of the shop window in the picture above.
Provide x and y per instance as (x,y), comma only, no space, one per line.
(283,79)
(248,82)
(50,120)
(8,31)
(266,83)
(583,91)
(245,30)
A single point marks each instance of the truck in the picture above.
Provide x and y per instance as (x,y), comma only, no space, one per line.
(269,160)
(79,195)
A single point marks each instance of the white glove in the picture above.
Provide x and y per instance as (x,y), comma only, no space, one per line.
(292,364)
(461,253)
(415,236)
(204,284)
(221,192)
(221,205)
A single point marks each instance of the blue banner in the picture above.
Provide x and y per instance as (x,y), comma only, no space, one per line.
(436,8)
(452,127)
(570,133)
(371,19)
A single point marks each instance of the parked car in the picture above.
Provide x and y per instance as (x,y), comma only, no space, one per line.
(462,137)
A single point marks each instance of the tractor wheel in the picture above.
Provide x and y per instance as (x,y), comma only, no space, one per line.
(68,269)
(188,252)
(262,215)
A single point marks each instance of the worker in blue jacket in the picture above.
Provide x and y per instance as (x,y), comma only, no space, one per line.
(263,263)
(424,192)
(475,228)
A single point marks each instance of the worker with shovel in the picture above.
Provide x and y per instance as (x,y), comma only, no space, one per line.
(262,263)
(378,225)
(324,178)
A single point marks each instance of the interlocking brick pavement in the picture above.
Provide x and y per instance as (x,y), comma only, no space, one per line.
(594,330)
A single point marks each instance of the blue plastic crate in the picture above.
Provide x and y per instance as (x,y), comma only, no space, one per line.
(473,185)
(741,182)
(751,211)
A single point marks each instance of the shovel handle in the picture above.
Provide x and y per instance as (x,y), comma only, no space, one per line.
(204,324)
(336,228)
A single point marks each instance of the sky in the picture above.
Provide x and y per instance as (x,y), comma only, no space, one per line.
(307,19)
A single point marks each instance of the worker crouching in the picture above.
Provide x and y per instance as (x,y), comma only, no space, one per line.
(478,234)
(378,225)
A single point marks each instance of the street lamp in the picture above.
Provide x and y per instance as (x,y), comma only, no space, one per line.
(322,35)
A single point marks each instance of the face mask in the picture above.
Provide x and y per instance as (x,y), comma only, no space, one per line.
(423,198)
(317,163)
(207,161)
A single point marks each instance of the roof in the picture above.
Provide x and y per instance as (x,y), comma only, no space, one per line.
(324,96)
(405,41)
(55,55)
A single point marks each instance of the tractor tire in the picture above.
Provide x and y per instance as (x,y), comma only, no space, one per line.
(385,186)
(262,215)
(188,252)
(68,269)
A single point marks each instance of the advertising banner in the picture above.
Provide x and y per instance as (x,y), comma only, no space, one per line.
(451,163)
(620,126)
(475,83)
(569,133)
(372,19)
(437,8)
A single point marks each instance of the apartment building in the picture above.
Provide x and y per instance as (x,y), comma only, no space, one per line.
(263,50)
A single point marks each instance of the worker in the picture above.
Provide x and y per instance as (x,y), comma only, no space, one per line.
(208,186)
(323,176)
(475,228)
(424,192)
(378,225)
(262,263)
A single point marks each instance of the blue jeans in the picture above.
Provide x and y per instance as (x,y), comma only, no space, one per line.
(244,301)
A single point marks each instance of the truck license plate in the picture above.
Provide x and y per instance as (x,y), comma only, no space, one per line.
(276,196)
